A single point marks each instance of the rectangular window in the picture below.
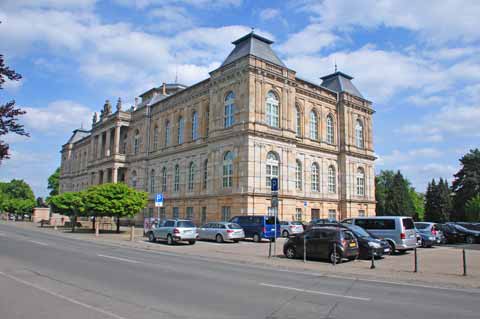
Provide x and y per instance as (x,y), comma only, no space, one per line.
(176,212)
(150,212)
(204,215)
(298,214)
(332,214)
(163,214)
(315,213)
(189,213)
(225,213)
(361,213)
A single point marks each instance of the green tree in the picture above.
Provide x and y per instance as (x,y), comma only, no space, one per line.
(438,202)
(383,183)
(472,209)
(17,197)
(398,201)
(71,204)
(53,182)
(418,200)
(115,200)
(467,183)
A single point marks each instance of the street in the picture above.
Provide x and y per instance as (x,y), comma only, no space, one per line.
(44,276)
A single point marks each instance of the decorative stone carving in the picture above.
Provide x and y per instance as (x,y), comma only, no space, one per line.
(94,118)
(119,105)
(107,108)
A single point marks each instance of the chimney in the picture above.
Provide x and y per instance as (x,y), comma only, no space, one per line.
(164,88)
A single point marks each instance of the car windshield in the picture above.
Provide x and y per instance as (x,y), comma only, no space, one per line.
(421,225)
(470,226)
(185,224)
(296,223)
(357,230)
(234,226)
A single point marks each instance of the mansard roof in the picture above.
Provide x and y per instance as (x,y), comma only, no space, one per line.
(253,44)
(340,82)
(77,135)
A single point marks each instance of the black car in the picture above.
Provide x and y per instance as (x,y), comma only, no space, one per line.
(460,233)
(321,222)
(321,242)
(367,244)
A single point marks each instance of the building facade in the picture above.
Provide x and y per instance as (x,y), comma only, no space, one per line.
(213,147)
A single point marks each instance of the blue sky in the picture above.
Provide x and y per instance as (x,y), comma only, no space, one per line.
(418,63)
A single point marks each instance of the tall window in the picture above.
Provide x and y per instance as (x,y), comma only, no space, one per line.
(315,177)
(332,214)
(332,180)
(194,126)
(313,126)
(164,179)
(330,130)
(360,182)
(189,214)
(205,174)
(298,175)
(271,168)
(155,138)
(298,214)
(207,120)
(361,213)
(152,181)
(136,142)
(167,133)
(176,212)
(298,121)
(134,179)
(163,214)
(226,212)
(181,125)
(228,169)
(176,180)
(272,109)
(203,218)
(229,110)
(359,142)
(191,175)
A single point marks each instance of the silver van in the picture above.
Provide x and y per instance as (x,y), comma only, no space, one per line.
(398,231)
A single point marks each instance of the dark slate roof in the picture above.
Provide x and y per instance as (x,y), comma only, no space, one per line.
(253,44)
(77,135)
(340,82)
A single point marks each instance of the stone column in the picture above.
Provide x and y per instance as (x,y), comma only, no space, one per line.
(116,144)
(114,174)
(107,143)
(99,150)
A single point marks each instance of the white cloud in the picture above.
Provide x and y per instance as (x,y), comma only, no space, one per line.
(269,14)
(397,157)
(49,4)
(202,4)
(310,40)
(171,18)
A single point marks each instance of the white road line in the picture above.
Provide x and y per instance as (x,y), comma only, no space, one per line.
(315,292)
(38,243)
(76,302)
(121,259)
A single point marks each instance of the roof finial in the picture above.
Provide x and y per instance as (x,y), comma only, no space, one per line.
(335,65)
(253,29)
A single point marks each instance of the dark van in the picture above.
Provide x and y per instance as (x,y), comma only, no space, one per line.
(258,227)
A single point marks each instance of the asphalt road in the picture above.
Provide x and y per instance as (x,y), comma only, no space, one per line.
(46,276)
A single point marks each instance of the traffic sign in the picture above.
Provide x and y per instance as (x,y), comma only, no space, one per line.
(274,201)
(305,203)
(159,200)
(274,184)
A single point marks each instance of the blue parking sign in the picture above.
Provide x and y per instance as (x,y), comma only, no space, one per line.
(274,184)
(159,200)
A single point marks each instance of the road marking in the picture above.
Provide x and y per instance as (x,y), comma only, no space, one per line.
(76,302)
(316,292)
(38,243)
(121,259)
(2,234)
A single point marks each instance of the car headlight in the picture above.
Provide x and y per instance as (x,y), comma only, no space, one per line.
(373,245)
(431,238)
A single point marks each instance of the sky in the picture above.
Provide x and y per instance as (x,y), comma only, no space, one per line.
(418,63)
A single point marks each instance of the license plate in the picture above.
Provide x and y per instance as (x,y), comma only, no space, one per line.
(386,250)
(353,245)
(187,231)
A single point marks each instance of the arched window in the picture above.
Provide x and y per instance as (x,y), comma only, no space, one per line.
(315,177)
(298,175)
(271,168)
(181,125)
(330,130)
(136,142)
(228,169)
(134,179)
(272,110)
(164,179)
(229,110)
(360,182)
(191,175)
(313,125)
(155,138)
(176,181)
(332,180)
(152,181)
(298,121)
(205,174)
(167,133)
(359,134)
(194,126)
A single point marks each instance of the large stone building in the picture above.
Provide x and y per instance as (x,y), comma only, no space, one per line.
(213,147)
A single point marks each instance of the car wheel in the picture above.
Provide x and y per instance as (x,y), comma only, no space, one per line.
(256,238)
(285,233)
(191,242)
(392,247)
(470,240)
(170,240)
(335,257)
(151,237)
(219,238)
(290,252)
(236,240)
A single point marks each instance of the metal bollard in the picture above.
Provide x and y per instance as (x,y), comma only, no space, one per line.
(464,262)
(334,253)
(97,229)
(304,248)
(372,266)
(132,233)
(416,260)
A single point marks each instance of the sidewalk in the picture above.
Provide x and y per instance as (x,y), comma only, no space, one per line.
(439,266)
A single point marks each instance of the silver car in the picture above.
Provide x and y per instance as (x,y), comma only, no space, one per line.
(173,230)
(221,231)
(289,228)
(431,228)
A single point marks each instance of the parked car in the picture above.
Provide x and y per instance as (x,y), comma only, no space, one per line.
(221,231)
(321,242)
(320,222)
(367,244)
(431,229)
(398,231)
(469,232)
(289,228)
(426,240)
(452,235)
(173,230)
(258,227)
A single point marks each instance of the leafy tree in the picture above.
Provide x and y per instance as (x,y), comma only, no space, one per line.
(418,200)
(383,183)
(398,201)
(17,197)
(438,202)
(115,200)
(8,112)
(54,182)
(71,204)
(472,209)
(467,183)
